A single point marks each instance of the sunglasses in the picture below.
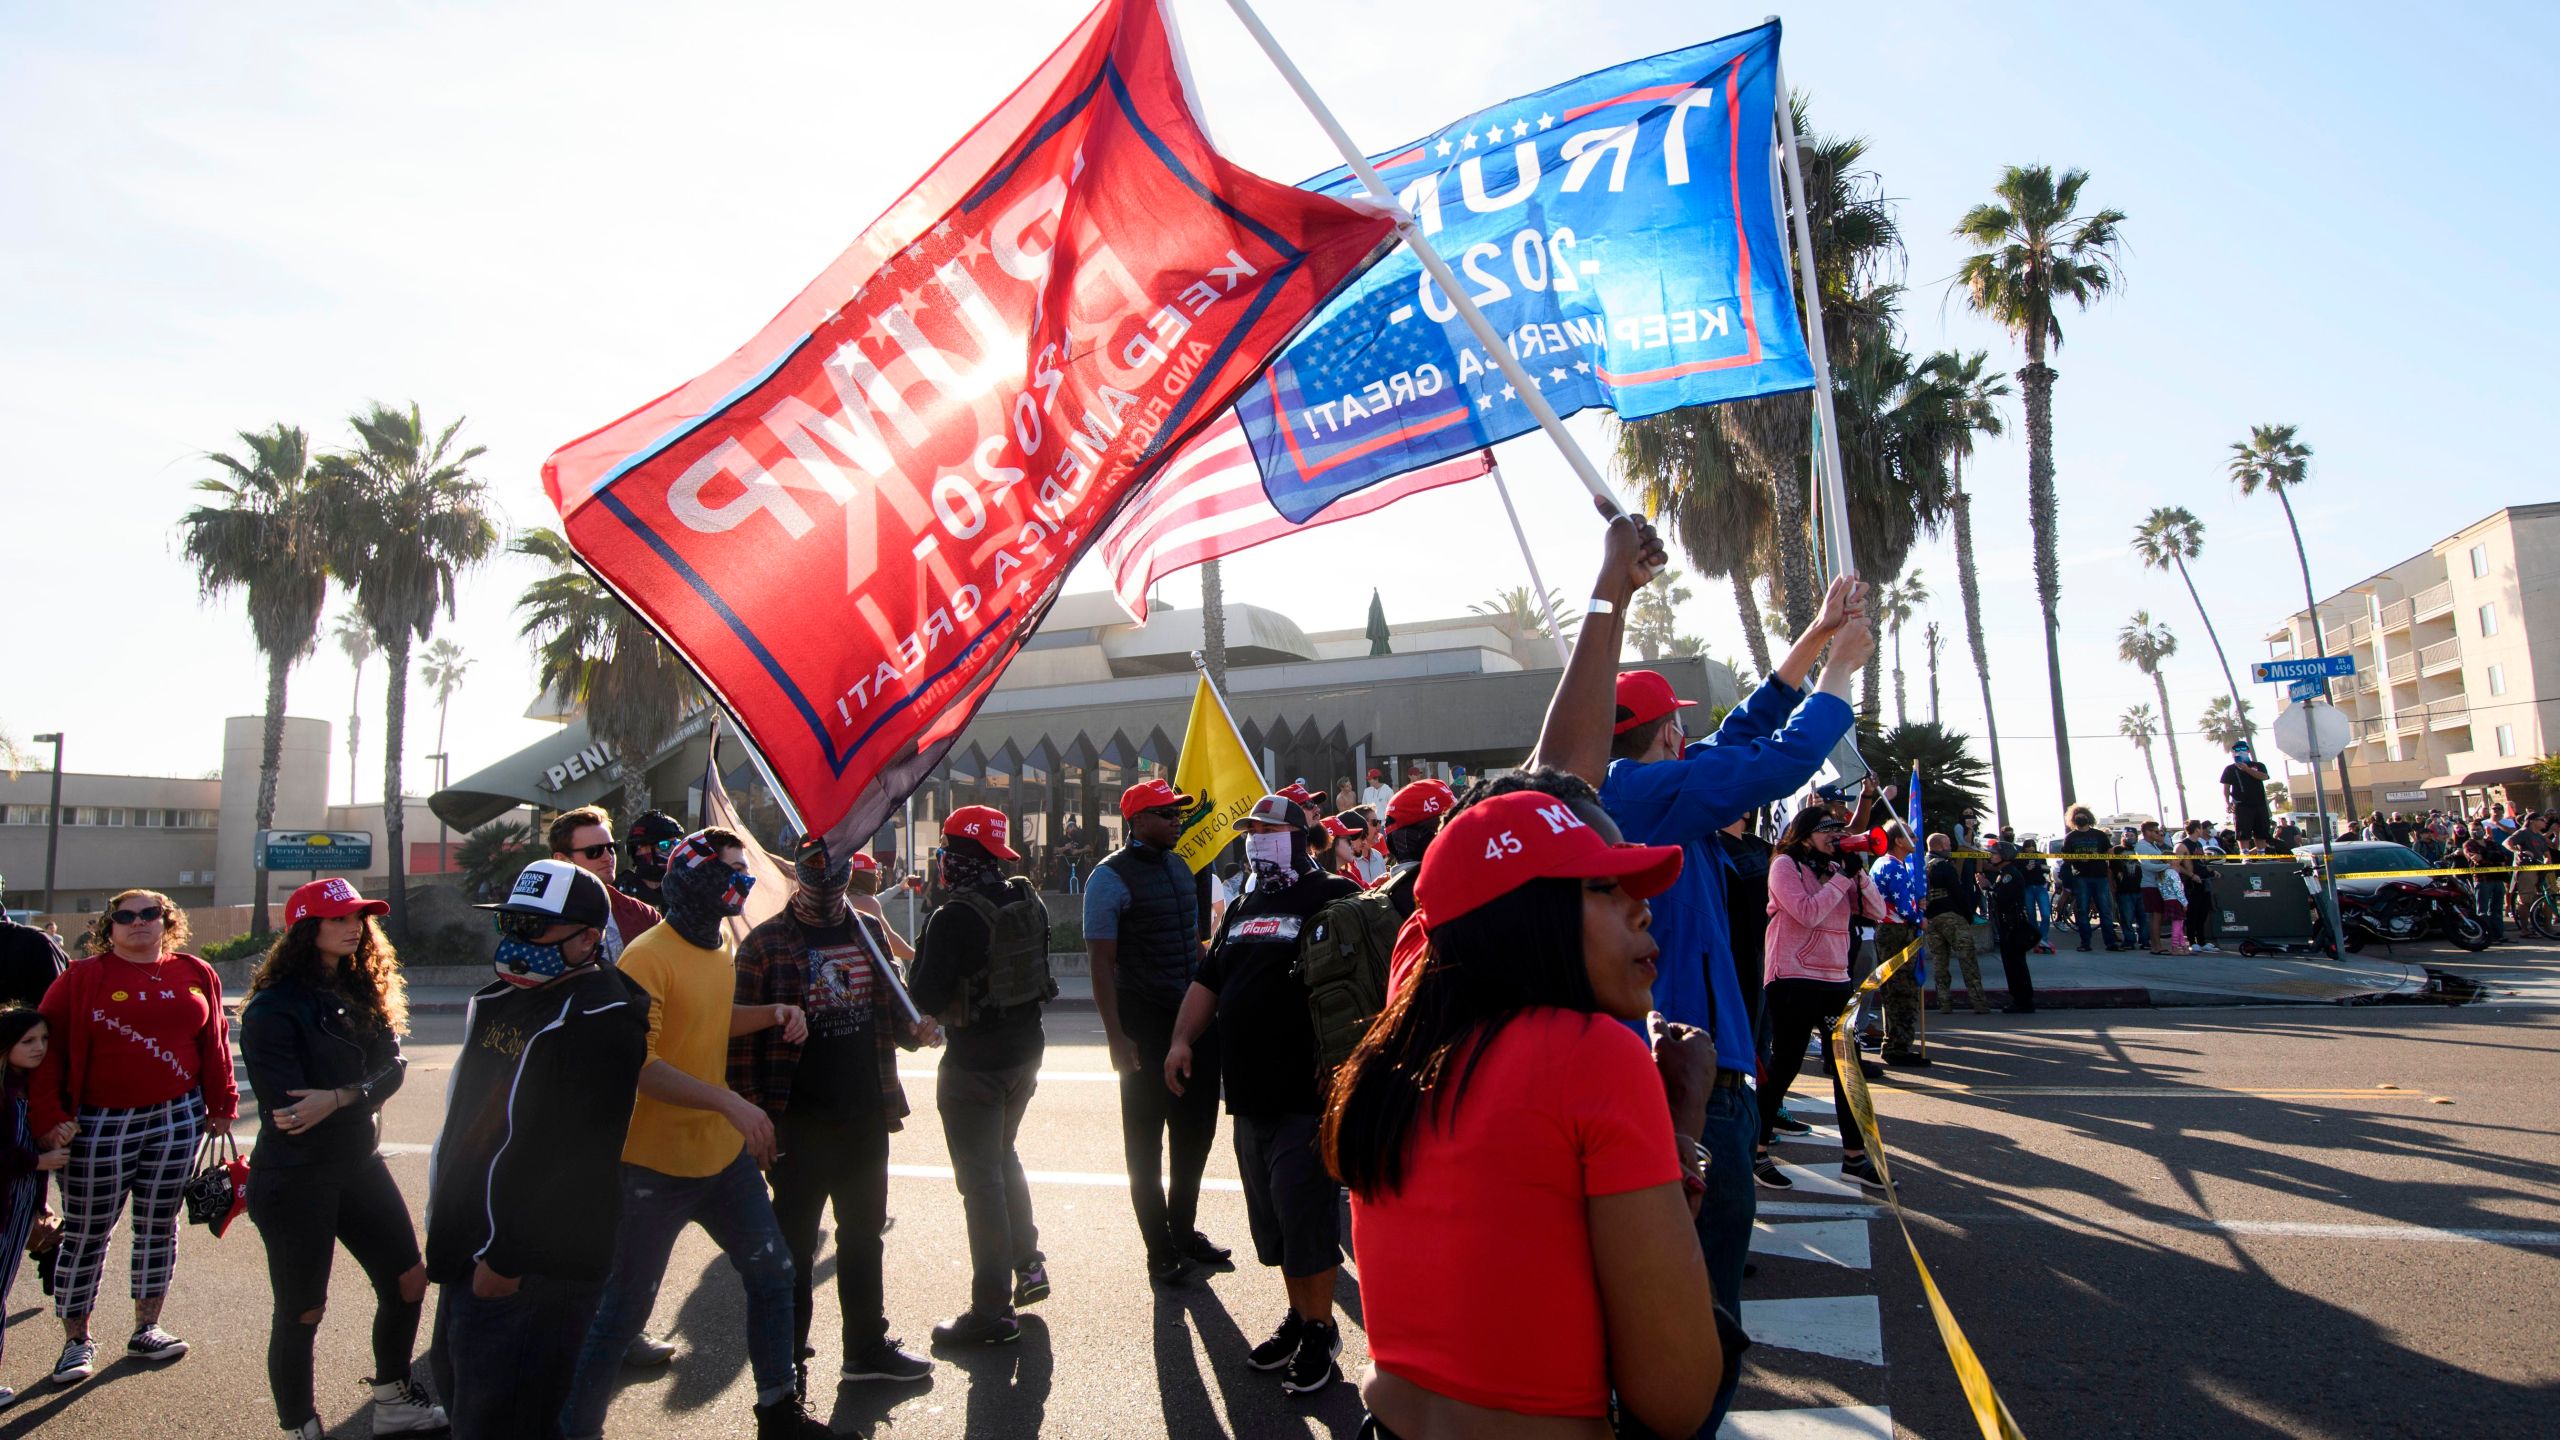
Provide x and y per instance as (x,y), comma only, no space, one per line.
(147,915)
(1169,812)
(592,852)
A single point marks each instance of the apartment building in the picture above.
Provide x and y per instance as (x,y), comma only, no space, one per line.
(2457,653)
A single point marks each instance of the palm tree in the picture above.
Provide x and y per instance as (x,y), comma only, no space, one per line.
(2137,726)
(2226,722)
(1950,777)
(1681,473)
(406,518)
(2272,459)
(14,757)
(2168,538)
(1523,608)
(491,855)
(356,639)
(2145,644)
(1653,620)
(2032,248)
(444,667)
(600,654)
(1896,604)
(1213,623)
(262,538)
(1975,397)
(1931,640)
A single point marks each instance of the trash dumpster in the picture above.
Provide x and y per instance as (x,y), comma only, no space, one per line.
(2271,902)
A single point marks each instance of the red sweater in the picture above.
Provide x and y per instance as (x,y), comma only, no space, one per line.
(127,1035)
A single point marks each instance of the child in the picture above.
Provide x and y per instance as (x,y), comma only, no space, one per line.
(24,1038)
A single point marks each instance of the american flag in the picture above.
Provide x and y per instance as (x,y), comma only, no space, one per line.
(1209,502)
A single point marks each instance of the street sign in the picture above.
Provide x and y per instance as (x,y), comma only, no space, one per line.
(2312,689)
(2269,672)
(315,850)
(2310,733)
(2404,796)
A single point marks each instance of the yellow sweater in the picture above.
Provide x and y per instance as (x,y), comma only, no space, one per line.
(691,991)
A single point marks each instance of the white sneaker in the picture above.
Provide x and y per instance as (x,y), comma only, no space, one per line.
(401,1408)
(79,1361)
(309,1430)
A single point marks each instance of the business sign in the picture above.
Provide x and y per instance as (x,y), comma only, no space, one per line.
(2398,796)
(315,850)
(591,760)
(2312,689)
(2270,672)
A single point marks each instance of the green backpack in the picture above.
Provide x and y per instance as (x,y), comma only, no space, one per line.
(1342,961)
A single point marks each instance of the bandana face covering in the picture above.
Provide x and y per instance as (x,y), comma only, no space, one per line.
(702,890)
(969,872)
(1273,856)
(522,962)
(820,899)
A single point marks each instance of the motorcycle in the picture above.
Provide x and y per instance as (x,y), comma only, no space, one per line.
(2399,911)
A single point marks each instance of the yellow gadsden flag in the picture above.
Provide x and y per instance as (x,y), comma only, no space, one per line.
(1217,771)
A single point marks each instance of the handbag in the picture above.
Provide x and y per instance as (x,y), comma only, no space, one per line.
(219,1189)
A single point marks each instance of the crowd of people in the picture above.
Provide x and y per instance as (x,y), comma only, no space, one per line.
(1542,1032)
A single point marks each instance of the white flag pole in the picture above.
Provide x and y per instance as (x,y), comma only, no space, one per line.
(1546,602)
(1521,383)
(1831,493)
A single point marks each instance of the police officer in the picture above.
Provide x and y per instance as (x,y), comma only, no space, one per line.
(1145,914)
(983,967)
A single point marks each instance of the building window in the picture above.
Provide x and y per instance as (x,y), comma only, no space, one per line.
(2489,619)
(116,816)
(2506,739)
(2480,561)
(2497,679)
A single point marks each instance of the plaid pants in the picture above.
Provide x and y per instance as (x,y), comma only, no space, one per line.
(147,1153)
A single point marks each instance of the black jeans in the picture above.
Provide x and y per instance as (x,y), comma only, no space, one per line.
(1168,1206)
(2015,940)
(503,1365)
(1798,1009)
(303,1213)
(844,1159)
(981,1116)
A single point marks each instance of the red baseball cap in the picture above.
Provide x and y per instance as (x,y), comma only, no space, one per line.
(326,899)
(1334,827)
(1151,795)
(984,824)
(1377,774)
(861,860)
(1644,695)
(1495,846)
(1422,800)
(1296,790)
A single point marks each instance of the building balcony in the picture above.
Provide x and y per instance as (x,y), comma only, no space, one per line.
(2395,616)
(2448,720)
(2403,669)
(2433,601)
(2440,657)
(2408,722)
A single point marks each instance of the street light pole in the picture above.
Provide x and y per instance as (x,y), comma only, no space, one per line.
(444,839)
(52,818)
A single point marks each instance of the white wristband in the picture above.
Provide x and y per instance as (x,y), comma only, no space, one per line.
(1599,606)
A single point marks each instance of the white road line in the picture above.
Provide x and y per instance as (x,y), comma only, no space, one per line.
(1046,1076)
(1768,1206)
(1853,1422)
(2315,1230)
(1102,1178)
(1831,1242)
(1846,1327)
(1821,1180)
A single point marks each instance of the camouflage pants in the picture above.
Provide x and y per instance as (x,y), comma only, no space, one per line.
(1950,939)
(1900,993)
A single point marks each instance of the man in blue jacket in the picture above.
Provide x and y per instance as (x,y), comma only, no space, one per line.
(1623,733)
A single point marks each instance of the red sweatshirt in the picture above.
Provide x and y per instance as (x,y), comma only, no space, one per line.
(127,1035)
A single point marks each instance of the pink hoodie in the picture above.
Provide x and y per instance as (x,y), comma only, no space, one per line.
(1808,936)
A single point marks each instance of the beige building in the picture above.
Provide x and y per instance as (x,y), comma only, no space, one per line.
(192,839)
(2453,647)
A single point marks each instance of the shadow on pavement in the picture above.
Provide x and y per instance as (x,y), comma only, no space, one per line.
(1253,1401)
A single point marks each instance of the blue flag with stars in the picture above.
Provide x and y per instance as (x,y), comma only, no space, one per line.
(1622,233)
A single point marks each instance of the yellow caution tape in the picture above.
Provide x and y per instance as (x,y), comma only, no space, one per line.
(2311,861)
(1989,1411)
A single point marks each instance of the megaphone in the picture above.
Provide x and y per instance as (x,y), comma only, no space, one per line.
(1874,842)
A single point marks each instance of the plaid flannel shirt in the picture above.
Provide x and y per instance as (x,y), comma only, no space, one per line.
(773,969)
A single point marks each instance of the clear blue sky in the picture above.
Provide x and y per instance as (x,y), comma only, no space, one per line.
(538,215)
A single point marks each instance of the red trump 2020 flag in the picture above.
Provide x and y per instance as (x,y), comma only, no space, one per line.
(850,526)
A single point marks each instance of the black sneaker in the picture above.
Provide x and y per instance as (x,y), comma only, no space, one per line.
(1787,1124)
(155,1345)
(1312,1367)
(973,1327)
(1031,1285)
(1201,1250)
(1766,1171)
(1168,1269)
(787,1419)
(80,1361)
(1861,1170)
(886,1359)
(1277,1351)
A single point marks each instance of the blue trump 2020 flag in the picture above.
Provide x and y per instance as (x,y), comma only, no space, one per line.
(1620,231)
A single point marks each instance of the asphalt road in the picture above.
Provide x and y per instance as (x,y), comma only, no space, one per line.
(2151,1223)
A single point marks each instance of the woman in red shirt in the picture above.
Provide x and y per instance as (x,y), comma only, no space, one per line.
(1521,1166)
(140,1066)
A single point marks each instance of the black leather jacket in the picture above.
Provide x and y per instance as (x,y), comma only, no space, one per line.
(298,1037)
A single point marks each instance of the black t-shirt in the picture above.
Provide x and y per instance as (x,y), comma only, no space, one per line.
(2085,842)
(839,1071)
(1263,1029)
(30,962)
(1950,890)
(2248,792)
